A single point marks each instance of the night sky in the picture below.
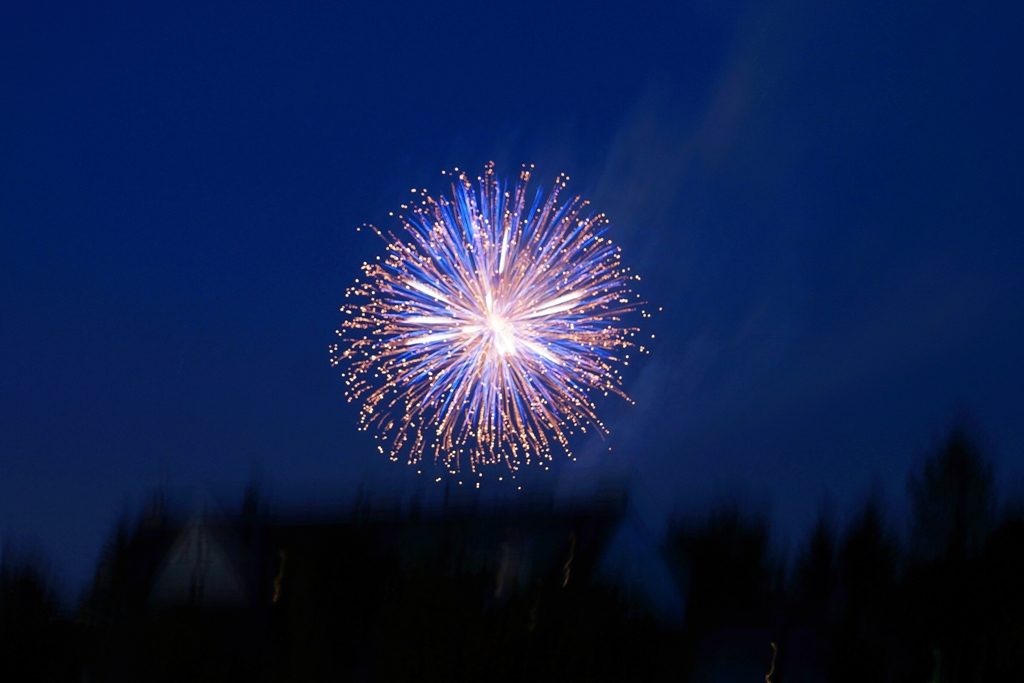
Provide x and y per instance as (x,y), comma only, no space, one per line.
(826,199)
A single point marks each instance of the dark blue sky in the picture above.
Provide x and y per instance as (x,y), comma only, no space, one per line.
(826,198)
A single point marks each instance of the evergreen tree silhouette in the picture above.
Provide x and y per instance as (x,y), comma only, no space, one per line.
(865,637)
(953,506)
(36,642)
(727,574)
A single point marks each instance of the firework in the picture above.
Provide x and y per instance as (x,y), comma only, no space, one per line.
(483,333)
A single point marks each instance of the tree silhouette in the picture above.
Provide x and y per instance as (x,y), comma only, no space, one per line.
(953,503)
(953,506)
(865,639)
(814,577)
(36,643)
(1003,601)
(728,576)
(811,612)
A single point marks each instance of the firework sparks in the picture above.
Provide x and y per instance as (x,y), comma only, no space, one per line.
(481,335)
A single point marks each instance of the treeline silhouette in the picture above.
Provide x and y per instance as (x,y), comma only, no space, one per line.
(412,599)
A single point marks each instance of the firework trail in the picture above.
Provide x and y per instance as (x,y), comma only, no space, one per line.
(481,335)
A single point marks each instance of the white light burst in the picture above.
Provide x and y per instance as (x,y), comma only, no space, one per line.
(482,334)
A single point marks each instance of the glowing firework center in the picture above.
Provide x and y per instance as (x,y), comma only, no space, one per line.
(502,336)
(480,337)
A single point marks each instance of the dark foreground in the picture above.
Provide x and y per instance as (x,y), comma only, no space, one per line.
(468,593)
